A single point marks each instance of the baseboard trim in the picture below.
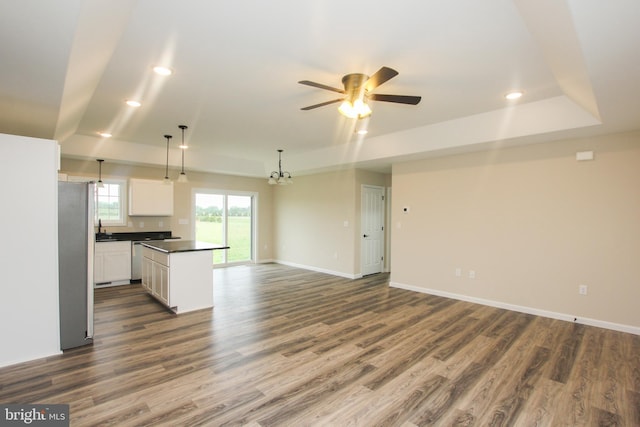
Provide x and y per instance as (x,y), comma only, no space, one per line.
(319,270)
(30,358)
(522,309)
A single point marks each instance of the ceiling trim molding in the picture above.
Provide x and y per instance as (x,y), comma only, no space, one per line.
(100,26)
(551,25)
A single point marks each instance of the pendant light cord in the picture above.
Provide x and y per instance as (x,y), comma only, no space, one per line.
(166,170)
(182,147)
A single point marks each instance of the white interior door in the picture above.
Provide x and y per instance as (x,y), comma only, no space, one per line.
(372,229)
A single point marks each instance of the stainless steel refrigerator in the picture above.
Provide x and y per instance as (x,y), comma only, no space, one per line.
(76,240)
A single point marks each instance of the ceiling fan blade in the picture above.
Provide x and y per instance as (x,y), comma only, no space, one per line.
(320,86)
(381,76)
(322,104)
(400,99)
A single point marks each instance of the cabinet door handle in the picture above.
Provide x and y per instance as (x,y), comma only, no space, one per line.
(365,235)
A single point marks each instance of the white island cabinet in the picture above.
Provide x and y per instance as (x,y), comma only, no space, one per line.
(179,274)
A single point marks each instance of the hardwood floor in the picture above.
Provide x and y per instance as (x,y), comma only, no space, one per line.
(289,347)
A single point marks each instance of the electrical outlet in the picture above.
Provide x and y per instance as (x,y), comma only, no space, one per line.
(458,272)
(582,289)
(472,274)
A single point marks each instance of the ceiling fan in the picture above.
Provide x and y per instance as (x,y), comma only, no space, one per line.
(357,91)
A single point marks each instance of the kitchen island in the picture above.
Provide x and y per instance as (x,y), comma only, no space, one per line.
(179,274)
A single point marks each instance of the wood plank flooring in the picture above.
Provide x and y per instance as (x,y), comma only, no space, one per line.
(290,347)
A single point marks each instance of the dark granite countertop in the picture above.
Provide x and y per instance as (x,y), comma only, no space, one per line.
(137,236)
(182,246)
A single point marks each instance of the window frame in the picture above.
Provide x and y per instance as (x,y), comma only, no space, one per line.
(122,222)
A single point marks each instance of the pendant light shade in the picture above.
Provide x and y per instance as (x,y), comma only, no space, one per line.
(100,183)
(183,176)
(280,177)
(166,169)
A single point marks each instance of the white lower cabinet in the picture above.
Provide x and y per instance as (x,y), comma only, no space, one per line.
(112,262)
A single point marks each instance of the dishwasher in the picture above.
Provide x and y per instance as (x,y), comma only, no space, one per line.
(137,239)
(136,259)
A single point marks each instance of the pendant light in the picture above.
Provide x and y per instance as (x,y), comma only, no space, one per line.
(166,170)
(183,147)
(280,177)
(100,183)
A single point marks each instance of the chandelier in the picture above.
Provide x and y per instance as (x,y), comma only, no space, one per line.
(280,177)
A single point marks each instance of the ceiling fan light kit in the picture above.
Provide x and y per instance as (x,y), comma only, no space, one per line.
(354,105)
(357,88)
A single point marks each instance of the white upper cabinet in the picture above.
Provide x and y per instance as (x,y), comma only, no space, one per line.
(150,198)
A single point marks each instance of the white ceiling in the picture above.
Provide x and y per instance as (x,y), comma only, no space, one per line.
(69,65)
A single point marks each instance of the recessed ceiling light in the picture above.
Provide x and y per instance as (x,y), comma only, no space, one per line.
(515,94)
(163,71)
(361,126)
(105,134)
(133,103)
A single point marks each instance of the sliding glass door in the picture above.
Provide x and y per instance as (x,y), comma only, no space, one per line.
(225,219)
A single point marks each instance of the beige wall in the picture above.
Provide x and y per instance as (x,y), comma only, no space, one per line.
(301,224)
(310,217)
(532,222)
(182,198)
